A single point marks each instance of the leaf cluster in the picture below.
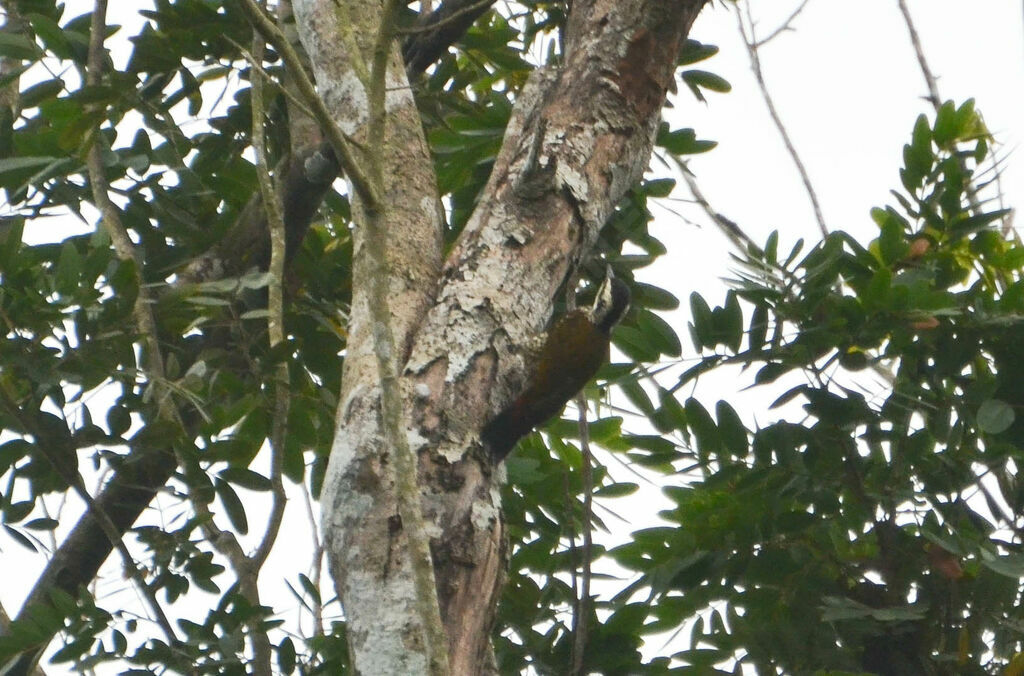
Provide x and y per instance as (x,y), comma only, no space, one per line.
(869,522)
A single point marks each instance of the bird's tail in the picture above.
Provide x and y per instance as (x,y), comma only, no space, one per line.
(504,431)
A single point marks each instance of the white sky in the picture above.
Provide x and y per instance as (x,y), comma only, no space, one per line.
(848,88)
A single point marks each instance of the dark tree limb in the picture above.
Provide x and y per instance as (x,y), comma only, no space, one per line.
(440,29)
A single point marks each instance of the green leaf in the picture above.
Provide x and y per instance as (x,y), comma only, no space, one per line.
(16,511)
(616,490)
(892,243)
(1008,565)
(971,224)
(15,535)
(654,298)
(19,165)
(637,396)
(246,478)
(51,35)
(732,430)
(771,248)
(702,325)
(42,524)
(11,232)
(671,415)
(770,372)
(659,334)
(694,51)
(917,156)
(233,507)
(47,89)
(706,80)
(309,587)
(69,269)
(606,429)
(730,323)
(286,656)
(636,344)
(758,331)
(18,47)
(683,142)
(946,129)
(703,427)
(995,416)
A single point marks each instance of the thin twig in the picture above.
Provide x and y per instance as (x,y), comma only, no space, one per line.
(581,613)
(74,479)
(926,71)
(785,26)
(440,23)
(755,64)
(267,78)
(262,652)
(581,609)
(275,311)
(316,567)
(729,227)
(933,93)
(142,309)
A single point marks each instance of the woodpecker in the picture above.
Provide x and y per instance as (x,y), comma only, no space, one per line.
(573,351)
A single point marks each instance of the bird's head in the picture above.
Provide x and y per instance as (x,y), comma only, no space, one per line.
(611,303)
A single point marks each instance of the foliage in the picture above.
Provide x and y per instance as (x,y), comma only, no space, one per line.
(175,122)
(877,530)
(875,533)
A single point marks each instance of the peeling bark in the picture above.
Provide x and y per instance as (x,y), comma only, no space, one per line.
(367,544)
(559,175)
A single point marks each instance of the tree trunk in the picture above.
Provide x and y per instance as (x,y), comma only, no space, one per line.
(461,329)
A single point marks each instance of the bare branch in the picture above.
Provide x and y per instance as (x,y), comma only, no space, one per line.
(262,651)
(785,26)
(926,71)
(755,63)
(581,611)
(275,309)
(933,91)
(728,226)
(439,29)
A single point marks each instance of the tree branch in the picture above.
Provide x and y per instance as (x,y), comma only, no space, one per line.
(933,92)
(755,64)
(439,29)
(926,71)
(275,311)
(783,27)
(581,611)
(392,407)
(549,193)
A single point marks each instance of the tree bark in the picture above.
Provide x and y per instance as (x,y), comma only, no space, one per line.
(558,177)
(135,482)
(367,545)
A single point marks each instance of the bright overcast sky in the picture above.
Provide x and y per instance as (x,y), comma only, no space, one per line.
(848,88)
